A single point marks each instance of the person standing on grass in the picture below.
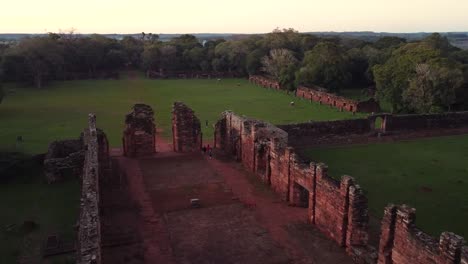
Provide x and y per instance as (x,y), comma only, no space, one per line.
(204,150)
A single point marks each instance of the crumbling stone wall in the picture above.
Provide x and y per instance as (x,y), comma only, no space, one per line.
(139,137)
(365,130)
(96,160)
(186,129)
(402,242)
(426,121)
(264,82)
(325,131)
(339,209)
(191,74)
(317,94)
(64,159)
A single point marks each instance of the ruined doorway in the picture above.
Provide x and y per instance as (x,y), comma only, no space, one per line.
(300,196)
(379,124)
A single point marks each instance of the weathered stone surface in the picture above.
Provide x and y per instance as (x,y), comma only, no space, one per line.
(317,94)
(89,230)
(186,129)
(64,159)
(139,138)
(402,242)
(264,82)
(337,208)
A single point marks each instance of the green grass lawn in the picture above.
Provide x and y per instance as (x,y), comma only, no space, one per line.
(428,174)
(53,207)
(60,110)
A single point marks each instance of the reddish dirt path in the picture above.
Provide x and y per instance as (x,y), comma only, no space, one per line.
(270,211)
(272,214)
(151,228)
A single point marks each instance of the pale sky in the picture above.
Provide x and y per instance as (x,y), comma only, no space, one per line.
(233,16)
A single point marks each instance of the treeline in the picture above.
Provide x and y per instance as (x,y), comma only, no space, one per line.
(423,76)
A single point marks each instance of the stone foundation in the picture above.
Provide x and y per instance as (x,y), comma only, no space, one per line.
(64,159)
(139,138)
(186,130)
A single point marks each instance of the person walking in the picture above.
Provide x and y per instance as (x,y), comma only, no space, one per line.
(203,150)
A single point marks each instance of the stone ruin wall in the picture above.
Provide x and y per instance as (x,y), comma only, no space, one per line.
(426,121)
(186,129)
(191,74)
(263,149)
(95,163)
(139,137)
(333,100)
(264,82)
(402,242)
(342,103)
(339,209)
(364,130)
(326,132)
(64,159)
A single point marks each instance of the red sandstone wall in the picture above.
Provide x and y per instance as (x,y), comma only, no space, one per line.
(337,208)
(336,101)
(139,137)
(264,150)
(186,129)
(331,204)
(402,242)
(264,82)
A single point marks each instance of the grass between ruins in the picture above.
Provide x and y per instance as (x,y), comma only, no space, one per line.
(53,208)
(60,111)
(428,174)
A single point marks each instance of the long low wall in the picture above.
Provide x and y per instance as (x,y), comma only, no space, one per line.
(339,209)
(425,121)
(339,102)
(379,127)
(191,75)
(264,82)
(96,161)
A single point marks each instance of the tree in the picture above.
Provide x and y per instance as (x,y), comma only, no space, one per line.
(277,61)
(253,62)
(133,48)
(42,58)
(433,88)
(325,65)
(151,57)
(393,76)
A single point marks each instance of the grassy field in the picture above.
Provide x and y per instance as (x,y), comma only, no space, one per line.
(429,174)
(60,111)
(53,208)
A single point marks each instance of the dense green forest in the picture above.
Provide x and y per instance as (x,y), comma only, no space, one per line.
(428,75)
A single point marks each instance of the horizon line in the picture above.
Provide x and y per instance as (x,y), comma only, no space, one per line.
(241,33)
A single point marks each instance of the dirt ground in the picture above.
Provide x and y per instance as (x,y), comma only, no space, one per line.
(148,217)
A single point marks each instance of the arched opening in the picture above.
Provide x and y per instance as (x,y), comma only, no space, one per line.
(300,196)
(379,123)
